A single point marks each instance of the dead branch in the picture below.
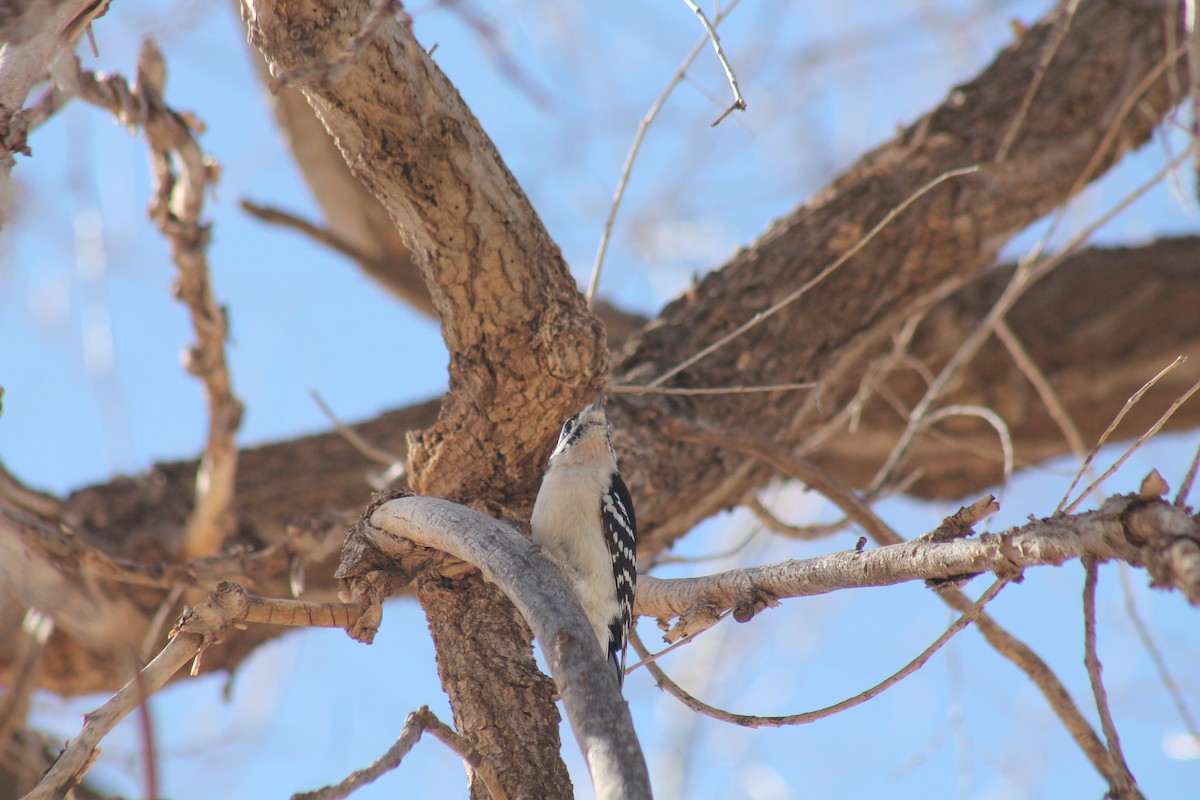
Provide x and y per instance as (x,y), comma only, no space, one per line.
(1127,528)
(176,207)
(200,627)
(417,723)
(1124,785)
(739,103)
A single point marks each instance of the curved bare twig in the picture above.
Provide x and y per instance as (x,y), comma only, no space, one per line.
(806,717)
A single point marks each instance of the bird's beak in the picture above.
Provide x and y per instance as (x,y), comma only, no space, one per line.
(598,403)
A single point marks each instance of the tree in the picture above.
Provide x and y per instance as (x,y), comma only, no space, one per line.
(879,295)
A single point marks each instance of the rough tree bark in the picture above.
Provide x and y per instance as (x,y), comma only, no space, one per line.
(519,336)
(518,332)
(297,481)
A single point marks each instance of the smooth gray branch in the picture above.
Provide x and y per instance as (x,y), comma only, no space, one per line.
(598,714)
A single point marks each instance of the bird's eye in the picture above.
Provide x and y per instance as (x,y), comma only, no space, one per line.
(569,425)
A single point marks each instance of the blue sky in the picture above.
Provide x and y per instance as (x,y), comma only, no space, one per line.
(89,357)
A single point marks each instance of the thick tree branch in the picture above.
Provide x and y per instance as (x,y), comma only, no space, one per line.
(32,36)
(1073,336)
(598,716)
(524,351)
(837,329)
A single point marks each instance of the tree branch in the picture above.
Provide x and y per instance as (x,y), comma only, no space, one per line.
(598,716)
(840,326)
(295,484)
(32,35)
(807,717)
(176,208)
(1126,528)
(417,723)
(195,631)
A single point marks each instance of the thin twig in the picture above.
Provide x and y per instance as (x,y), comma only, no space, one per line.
(1160,664)
(1041,385)
(1153,429)
(739,103)
(693,391)
(1186,487)
(1124,784)
(1009,646)
(1025,275)
(368,450)
(1111,135)
(762,316)
(325,236)
(416,724)
(987,415)
(154,629)
(803,533)
(1112,426)
(632,155)
(1056,39)
(688,638)
(804,718)
(665,558)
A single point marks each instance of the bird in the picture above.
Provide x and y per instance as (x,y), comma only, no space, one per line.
(584,518)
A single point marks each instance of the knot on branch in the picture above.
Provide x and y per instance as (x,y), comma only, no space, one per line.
(368,575)
(746,607)
(961,524)
(14,131)
(951,583)
(212,617)
(1167,541)
(695,619)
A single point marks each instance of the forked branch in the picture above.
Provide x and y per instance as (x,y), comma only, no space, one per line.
(206,624)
